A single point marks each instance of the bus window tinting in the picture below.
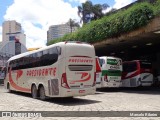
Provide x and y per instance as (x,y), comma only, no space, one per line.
(41,58)
(101,61)
(129,67)
(146,65)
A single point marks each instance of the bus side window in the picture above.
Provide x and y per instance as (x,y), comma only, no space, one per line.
(44,58)
(35,59)
(53,55)
(12,64)
(39,56)
(101,62)
(59,50)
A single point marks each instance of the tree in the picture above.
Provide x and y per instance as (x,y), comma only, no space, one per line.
(97,10)
(88,11)
(72,23)
(85,11)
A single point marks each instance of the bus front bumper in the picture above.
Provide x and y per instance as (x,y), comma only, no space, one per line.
(112,84)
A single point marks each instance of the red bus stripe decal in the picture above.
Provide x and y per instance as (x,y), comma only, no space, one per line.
(88,78)
(14,85)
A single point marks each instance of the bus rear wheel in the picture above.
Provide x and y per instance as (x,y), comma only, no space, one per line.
(42,93)
(34,91)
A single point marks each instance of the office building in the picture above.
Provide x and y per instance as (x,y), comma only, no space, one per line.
(57,31)
(13,41)
(12,30)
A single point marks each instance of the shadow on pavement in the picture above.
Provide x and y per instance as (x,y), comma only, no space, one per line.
(142,90)
(138,90)
(108,90)
(98,93)
(71,101)
(68,101)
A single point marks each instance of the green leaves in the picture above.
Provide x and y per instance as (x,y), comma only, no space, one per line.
(157,7)
(115,24)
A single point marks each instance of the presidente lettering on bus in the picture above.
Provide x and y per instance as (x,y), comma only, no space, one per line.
(77,60)
(42,72)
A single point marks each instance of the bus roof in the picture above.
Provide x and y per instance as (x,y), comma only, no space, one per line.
(30,52)
(44,48)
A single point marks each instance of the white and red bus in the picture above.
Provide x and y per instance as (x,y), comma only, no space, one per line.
(64,69)
(98,73)
(137,73)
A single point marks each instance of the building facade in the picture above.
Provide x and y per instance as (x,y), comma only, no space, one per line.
(57,31)
(12,30)
(13,41)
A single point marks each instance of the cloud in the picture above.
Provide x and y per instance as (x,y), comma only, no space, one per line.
(80,1)
(121,3)
(0,33)
(36,16)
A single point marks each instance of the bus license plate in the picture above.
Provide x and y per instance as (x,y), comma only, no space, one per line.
(97,75)
(81,91)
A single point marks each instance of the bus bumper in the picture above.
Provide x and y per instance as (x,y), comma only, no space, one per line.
(112,84)
(146,83)
(98,85)
(76,92)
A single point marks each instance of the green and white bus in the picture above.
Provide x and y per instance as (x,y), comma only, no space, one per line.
(111,71)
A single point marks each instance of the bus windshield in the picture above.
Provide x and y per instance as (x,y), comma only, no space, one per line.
(101,61)
(129,67)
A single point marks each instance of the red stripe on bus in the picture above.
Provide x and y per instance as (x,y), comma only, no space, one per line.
(124,76)
(19,74)
(88,78)
(14,85)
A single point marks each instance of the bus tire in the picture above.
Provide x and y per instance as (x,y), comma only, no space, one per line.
(34,92)
(42,95)
(8,88)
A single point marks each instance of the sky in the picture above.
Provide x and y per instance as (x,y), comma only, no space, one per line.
(35,16)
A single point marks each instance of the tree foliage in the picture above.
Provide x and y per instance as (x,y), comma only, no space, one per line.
(157,7)
(115,24)
(88,11)
(72,23)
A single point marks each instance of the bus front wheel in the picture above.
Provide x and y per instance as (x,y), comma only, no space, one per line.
(34,91)
(42,93)
(8,88)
